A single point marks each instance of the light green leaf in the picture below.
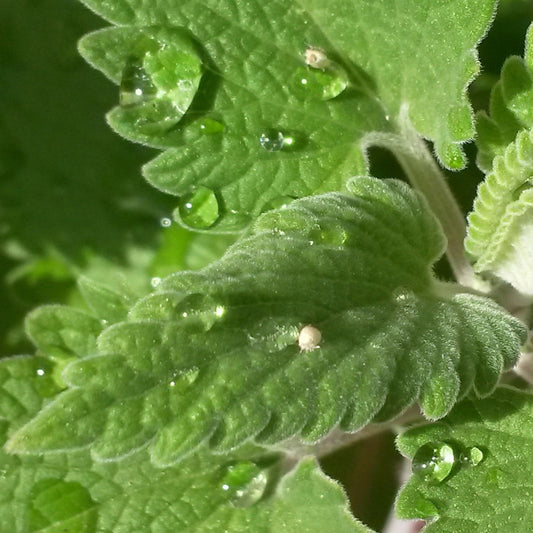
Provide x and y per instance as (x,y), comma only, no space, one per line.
(501,225)
(107,304)
(492,442)
(510,107)
(67,492)
(291,95)
(62,332)
(219,354)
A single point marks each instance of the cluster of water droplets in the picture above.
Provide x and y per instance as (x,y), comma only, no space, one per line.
(244,483)
(435,461)
(160,78)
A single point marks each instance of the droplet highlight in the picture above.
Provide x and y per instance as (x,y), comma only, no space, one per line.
(244,483)
(165,222)
(199,210)
(274,140)
(434,461)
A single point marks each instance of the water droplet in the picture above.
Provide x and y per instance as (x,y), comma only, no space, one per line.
(136,86)
(244,483)
(309,338)
(331,236)
(434,461)
(209,126)
(321,84)
(159,81)
(55,502)
(199,210)
(274,140)
(41,372)
(165,222)
(155,281)
(202,307)
(473,456)
(185,378)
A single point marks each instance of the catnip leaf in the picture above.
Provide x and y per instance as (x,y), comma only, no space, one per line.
(492,443)
(69,492)
(62,332)
(291,95)
(217,355)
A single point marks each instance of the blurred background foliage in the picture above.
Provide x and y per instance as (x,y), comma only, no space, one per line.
(72,199)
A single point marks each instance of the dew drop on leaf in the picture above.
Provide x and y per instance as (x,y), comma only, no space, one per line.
(58,504)
(159,81)
(201,307)
(208,126)
(199,210)
(473,456)
(319,84)
(136,86)
(274,140)
(434,461)
(244,483)
(155,281)
(165,222)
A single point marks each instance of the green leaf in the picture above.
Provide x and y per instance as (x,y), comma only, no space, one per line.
(214,354)
(500,227)
(492,441)
(107,304)
(291,95)
(510,107)
(62,332)
(68,492)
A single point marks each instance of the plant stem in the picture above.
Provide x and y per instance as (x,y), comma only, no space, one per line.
(425,175)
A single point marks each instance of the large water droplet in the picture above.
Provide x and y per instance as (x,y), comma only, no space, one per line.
(274,140)
(159,81)
(434,461)
(244,483)
(136,86)
(201,307)
(473,456)
(199,210)
(58,504)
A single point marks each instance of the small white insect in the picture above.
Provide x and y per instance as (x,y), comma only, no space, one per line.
(309,338)
(316,58)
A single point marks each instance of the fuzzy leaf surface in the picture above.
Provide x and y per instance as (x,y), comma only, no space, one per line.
(68,492)
(256,83)
(214,355)
(499,426)
(500,228)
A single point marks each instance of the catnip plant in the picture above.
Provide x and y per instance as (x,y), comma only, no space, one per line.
(307,263)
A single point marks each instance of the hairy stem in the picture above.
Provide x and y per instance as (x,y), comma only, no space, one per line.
(425,175)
